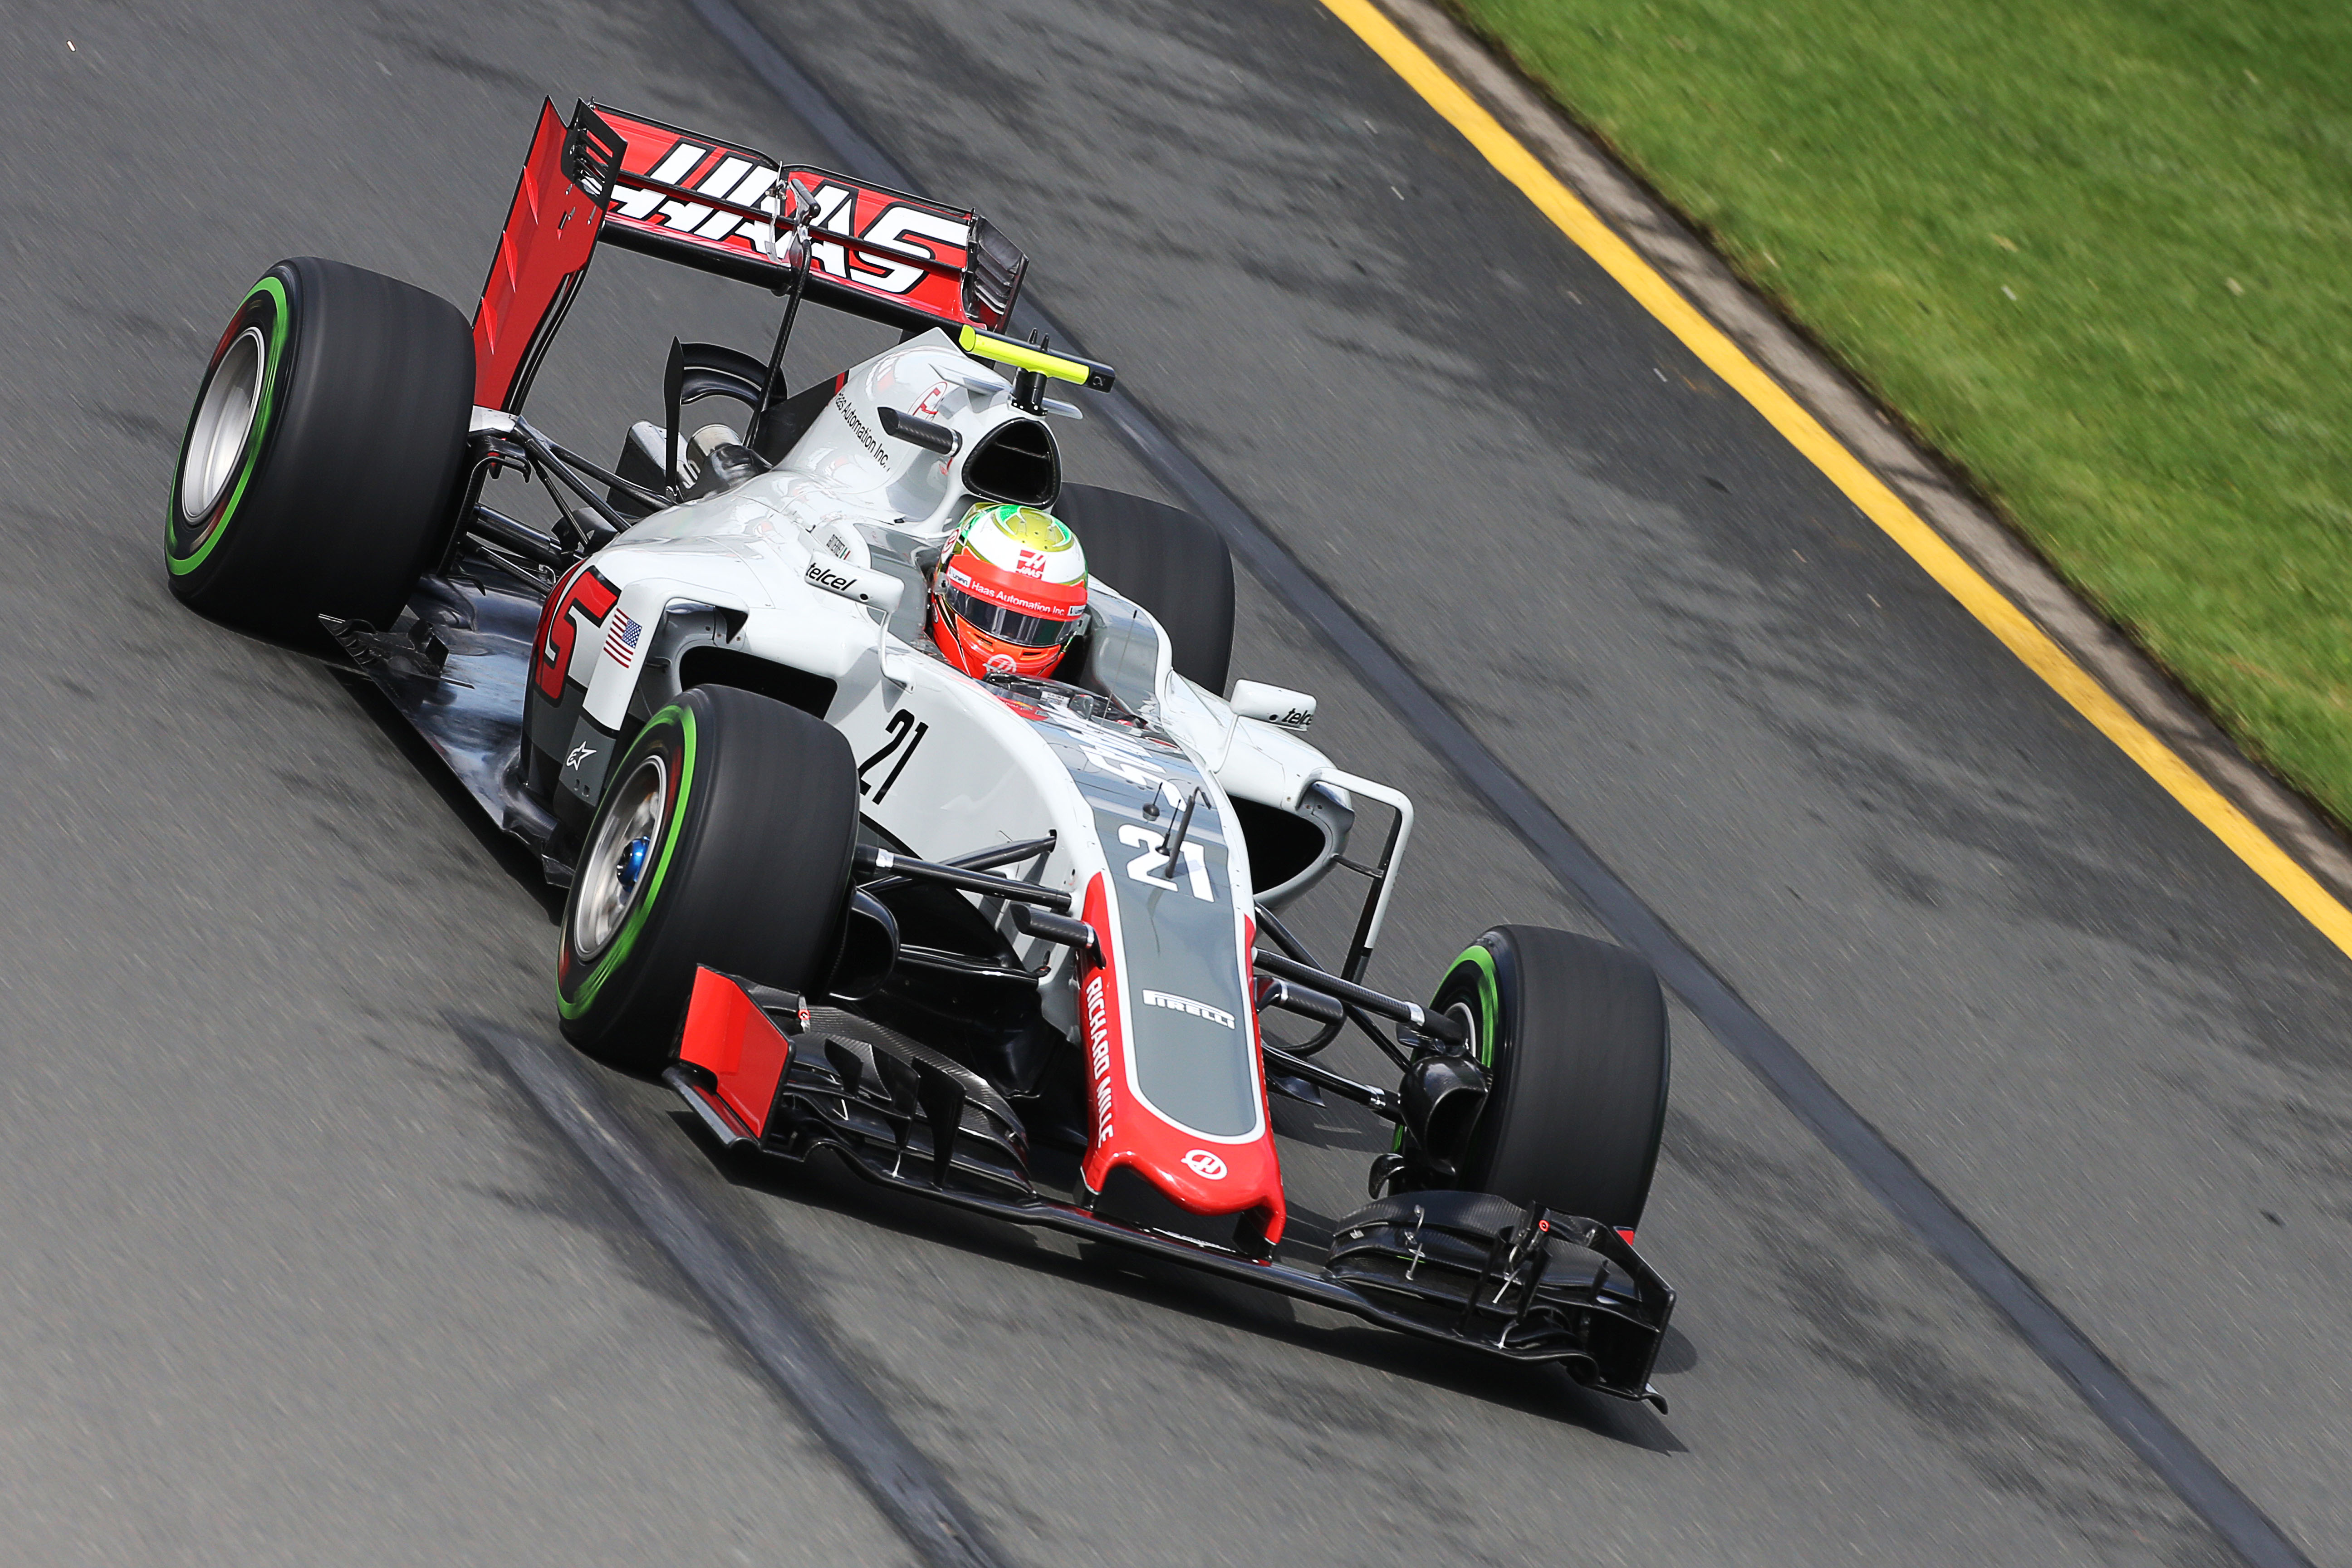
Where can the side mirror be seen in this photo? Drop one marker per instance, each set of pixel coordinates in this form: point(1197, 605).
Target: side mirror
point(865, 585)
point(1275, 704)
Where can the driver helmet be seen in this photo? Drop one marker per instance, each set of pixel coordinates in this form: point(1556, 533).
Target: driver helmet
point(1009, 593)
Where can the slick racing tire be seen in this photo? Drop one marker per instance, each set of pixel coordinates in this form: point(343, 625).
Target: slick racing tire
point(723, 839)
point(320, 466)
point(1169, 562)
point(1572, 1035)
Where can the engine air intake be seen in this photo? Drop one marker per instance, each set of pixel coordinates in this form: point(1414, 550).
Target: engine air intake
point(1016, 462)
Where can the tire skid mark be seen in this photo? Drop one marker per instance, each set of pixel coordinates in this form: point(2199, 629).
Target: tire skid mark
point(906, 1488)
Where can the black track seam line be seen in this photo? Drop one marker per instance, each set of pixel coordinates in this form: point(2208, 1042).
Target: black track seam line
point(910, 1494)
point(1889, 1175)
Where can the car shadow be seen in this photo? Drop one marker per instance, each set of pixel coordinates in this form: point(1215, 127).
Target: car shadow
point(1336, 1124)
point(1543, 1392)
point(511, 857)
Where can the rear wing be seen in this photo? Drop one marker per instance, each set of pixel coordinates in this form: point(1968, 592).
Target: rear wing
point(708, 204)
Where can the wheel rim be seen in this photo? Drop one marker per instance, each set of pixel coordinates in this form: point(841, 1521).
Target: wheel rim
point(613, 873)
point(224, 425)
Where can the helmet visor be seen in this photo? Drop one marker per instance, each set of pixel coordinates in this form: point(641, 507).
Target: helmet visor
point(1005, 625)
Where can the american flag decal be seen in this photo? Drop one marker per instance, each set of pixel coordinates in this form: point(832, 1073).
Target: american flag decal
point(621, 639)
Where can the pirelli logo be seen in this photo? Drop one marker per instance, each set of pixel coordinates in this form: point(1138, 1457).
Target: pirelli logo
point(1176, 1004)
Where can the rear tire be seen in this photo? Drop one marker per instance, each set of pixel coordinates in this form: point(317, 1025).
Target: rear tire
point(1572, 1034)
point(746, 812)
point(1169, 562)
point(320, 461)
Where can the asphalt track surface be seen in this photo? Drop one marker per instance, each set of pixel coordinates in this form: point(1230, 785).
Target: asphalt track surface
point(295, 1266)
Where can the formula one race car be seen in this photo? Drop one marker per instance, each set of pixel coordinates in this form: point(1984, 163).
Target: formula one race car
point(1003, 934)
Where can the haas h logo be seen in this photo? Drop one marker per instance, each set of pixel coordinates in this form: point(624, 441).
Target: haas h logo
point(1201, 1163)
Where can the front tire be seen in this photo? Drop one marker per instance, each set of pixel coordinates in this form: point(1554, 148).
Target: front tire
point(320, 461)
point(1572, 1035)
point(1169, 562)
point(723, 839)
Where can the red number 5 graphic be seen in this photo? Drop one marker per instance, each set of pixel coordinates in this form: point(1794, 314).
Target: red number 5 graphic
point(586, 590)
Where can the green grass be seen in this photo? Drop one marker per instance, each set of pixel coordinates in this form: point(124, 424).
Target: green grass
point(2098, 252)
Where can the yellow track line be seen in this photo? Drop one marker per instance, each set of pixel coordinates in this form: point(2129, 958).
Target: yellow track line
point(1864, 489)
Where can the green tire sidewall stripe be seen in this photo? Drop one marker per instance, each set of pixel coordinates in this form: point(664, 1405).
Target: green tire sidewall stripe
point(584, 997)
point(1490, 1008)
point(183, 564)
point(1482, 958)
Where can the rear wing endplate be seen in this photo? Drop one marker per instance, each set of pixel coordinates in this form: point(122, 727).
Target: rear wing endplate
point(707, 204)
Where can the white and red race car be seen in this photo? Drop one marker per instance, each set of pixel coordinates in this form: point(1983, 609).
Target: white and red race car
point(1010, 943)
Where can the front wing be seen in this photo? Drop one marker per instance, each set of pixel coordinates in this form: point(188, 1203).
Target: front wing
point(1467, 1269)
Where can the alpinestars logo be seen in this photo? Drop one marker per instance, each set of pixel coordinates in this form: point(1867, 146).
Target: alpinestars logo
point(1098, 1055)
point(1176, 1004)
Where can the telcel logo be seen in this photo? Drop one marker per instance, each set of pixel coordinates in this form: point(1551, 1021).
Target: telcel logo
point(831, 581)
point(1201, 1163)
